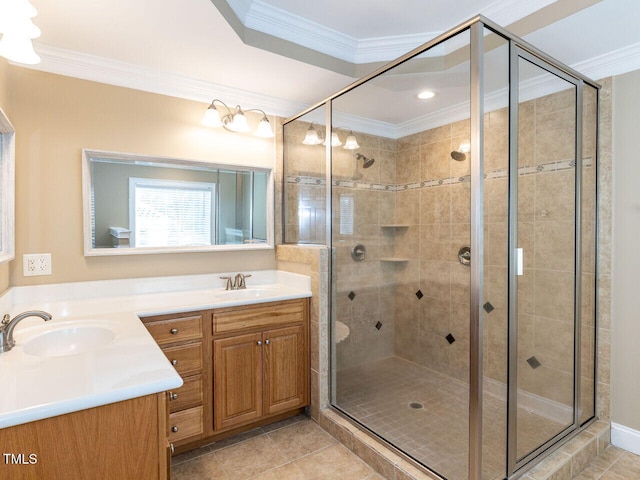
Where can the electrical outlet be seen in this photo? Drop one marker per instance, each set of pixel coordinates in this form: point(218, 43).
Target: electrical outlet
point(36, 264)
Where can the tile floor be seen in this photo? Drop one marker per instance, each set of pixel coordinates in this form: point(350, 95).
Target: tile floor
point(379, 395)
point(613, 464)
point(295, 449)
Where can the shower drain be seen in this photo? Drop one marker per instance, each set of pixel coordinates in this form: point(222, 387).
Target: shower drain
point(416, 405)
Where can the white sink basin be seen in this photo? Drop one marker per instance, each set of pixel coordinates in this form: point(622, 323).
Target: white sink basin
point(256, 292)
point(70, 340)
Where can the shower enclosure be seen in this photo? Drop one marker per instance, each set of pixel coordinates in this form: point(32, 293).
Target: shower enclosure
point(463, 237)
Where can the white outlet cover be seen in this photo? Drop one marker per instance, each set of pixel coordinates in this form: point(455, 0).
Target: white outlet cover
point(36, 264)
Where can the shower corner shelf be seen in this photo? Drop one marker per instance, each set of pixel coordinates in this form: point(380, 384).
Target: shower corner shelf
point(394, 259)
point(394, 225)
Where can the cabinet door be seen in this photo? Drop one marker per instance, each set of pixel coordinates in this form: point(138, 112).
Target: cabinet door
point(237, 380)
point(286, 369)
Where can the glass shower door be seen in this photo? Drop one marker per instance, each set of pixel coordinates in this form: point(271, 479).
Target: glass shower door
point(544, 182)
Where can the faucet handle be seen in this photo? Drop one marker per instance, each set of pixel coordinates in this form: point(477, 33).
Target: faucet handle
point(229, 285)
point(6, 319)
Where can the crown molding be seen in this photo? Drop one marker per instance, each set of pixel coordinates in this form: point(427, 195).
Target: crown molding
point(111, 72)
point(261, 16)
point(506, 12)
point(98, 69)
point(616, 62)
point(279, 23)
point(240, 8)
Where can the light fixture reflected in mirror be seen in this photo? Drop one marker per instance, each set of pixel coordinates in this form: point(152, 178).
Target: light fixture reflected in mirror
point(312, 137)
point(234, 119)
point(335, 140)
point(351, 143)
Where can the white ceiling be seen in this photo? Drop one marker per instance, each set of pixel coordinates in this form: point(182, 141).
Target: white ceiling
point(201, 49)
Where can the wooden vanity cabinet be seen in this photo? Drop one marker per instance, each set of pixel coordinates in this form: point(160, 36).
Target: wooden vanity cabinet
point(182, 339)
point(242, 367)
point(124, 440)
point(260, 362)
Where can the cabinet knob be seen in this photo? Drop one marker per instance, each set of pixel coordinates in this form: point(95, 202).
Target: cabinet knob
point(173, 396)
point(267, 342)
point(174, 429)
point(174, 331)
point(259, 342)
point(174, 362)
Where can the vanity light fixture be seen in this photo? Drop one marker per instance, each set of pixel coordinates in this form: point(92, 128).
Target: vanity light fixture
point(234, 120)
point(335, 140)
point(351, 143)
point(311, 137)
point(17, 31)
point(426, 94)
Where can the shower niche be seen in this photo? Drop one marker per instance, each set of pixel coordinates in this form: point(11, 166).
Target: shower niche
point(500, 163)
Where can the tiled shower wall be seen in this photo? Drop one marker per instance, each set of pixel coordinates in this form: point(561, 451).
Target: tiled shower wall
point(431, 222)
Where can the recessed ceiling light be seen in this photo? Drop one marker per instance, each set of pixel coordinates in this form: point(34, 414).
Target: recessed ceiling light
point(426, 94)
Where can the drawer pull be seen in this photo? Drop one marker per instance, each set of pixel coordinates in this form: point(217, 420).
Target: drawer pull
point(173, 396)
point(267, 342)
point(259, 342)
point(174, 429)
point(173, 450)
point(174, 362)
point(174, 331)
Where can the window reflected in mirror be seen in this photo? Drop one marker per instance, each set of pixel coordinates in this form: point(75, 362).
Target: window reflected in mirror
point(136, 204)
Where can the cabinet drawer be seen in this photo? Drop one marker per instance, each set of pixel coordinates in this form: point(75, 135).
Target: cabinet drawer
point(185, 424)
point(257, 316)
point(186, 359)
point(176, 329)
point(188, 395)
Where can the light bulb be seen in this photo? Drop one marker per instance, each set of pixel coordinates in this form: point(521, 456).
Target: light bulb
point(211, 118)
point(18, 49)
point(311, 137)
point(238, 122)
point(264, 129)
point(351, 143)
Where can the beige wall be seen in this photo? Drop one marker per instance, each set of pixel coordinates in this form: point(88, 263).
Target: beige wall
point(4, 268)
point(625, 359)
point(55, 118)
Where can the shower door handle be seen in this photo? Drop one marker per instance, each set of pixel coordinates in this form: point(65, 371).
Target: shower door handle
point(519, 262)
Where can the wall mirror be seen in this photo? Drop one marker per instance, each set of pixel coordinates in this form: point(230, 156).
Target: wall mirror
point(7, 189)
point(135, 204)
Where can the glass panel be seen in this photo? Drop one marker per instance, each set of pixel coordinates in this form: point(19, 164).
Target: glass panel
point(546, 233)
point(401, 314)
point(589, 207)
point(235, 203)
point(496, 229)
point(234, 216)
point(305, 189)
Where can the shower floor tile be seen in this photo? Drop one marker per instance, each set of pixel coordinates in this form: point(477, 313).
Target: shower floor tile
point(425, 414)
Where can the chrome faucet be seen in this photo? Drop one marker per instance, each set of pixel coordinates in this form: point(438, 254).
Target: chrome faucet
point(238, 283)
point(8, 324)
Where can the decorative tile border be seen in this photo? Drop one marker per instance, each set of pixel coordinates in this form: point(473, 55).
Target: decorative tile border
point(391, 187)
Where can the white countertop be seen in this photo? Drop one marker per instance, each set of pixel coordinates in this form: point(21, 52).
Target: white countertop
point(131, 365)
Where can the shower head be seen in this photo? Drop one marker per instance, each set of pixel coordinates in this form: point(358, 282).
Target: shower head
point(458, 156)
point(366, 162)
